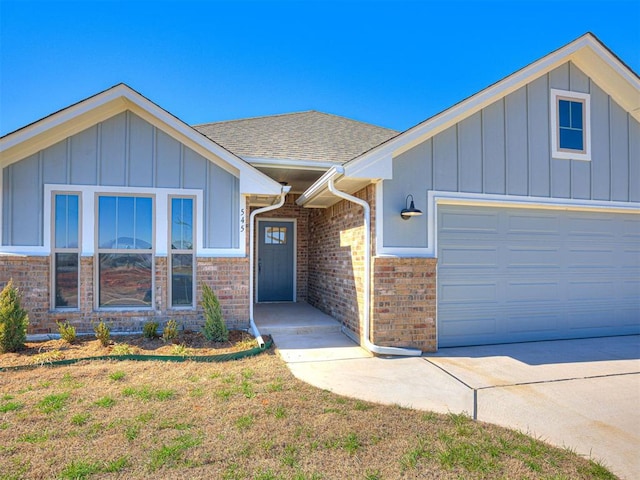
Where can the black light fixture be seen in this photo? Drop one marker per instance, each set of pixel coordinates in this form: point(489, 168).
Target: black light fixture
point(411, 210)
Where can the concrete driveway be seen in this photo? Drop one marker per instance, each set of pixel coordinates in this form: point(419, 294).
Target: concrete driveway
point(580, 394)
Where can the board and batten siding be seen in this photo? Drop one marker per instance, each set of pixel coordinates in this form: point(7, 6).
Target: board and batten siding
point(123, 151)
point(505, 149)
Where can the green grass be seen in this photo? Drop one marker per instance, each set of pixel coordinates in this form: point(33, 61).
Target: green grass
point(105, 402)
point(53, 403)
point(10, 407)
point(172, 454)
point(117, 375)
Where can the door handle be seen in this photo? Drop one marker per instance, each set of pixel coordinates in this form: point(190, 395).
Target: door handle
point(259, 265)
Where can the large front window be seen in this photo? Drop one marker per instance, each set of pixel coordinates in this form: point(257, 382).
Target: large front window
point(66, 252)
point(182, 254)
point(125, 251)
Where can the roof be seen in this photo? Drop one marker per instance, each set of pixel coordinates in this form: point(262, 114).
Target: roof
point(587, 52)
point(303, 136)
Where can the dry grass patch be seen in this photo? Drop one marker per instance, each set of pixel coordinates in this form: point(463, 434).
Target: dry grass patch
point(248, 419)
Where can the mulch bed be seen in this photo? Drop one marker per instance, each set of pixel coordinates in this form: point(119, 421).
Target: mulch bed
point(88, 346)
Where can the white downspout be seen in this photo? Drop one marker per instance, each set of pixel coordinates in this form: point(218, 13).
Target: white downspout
point(408, 352)
point(252, 324)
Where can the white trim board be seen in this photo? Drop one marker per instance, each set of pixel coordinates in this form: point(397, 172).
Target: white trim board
point(435, 198)
point(87, 216)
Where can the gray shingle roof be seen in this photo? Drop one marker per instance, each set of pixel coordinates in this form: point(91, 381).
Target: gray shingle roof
point(310, 136)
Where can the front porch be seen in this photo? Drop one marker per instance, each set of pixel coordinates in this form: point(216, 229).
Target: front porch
point(303, 333)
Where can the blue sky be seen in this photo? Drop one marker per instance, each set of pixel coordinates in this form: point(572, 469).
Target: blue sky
point(391, 63)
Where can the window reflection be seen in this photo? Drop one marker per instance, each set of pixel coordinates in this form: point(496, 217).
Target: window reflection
point(275, 235)
point(125, 280)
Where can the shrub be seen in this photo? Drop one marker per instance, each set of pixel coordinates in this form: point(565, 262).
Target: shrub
point(13, 320)
point(150, 330)
point(103, 333)
point(170, 331)
point(214, 328)
point(67, 332)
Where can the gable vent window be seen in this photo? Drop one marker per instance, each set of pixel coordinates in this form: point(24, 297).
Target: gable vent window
point(570, 120)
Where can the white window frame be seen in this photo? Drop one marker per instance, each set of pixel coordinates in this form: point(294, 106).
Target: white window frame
point(55, 250)
point(567, 154)
point(192, 252)
point(98, 250)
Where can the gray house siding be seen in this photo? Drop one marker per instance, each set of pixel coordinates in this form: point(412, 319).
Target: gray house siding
point(123, 151)
point(506, 149)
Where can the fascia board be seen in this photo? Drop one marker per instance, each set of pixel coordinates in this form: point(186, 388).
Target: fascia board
point(320, 185)
point(475, 103)
point(289, 164)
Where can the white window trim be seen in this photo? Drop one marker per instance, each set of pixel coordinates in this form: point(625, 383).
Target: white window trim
point(55, 250)
point(553, 117)
point(87, 234)
point(435, 198)
point(191, 252)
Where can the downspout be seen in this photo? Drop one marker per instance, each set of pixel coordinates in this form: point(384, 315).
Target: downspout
point(252, 324)
point(407, 352)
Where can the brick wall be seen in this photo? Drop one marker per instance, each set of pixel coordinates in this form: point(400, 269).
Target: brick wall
point(403, 307)
point(228, 277)
point(291, 210)
point(336, 260)
point(404, 302)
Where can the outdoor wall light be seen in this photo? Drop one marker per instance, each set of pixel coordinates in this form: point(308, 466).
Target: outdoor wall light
point(411, 210)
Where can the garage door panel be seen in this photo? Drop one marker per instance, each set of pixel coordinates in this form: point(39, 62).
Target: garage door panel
point(468, 292)
point(540, 322)
point(590, 226)
point(544, 274)
point(468, 222)
point(533, 256)
point(518, 291)
point(469, 256)
point(533, 224)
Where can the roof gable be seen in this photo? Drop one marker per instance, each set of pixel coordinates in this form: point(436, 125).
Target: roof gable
point(587, 53)
point(82, 115)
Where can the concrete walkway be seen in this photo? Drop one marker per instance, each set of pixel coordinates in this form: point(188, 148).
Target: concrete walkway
point(581, 394)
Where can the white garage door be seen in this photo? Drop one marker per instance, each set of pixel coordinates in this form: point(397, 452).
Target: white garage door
point(512, 274)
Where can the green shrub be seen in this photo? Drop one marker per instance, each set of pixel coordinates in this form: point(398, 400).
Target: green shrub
point(170, 331)
point(13, 320)
point(67, 332)
point(122, 349)
point(103, 333)
point(214, 328)
point(150, 330)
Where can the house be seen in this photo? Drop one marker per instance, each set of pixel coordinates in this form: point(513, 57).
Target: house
point(512, 216)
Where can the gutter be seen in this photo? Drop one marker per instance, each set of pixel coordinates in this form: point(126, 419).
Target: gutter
point(380, 350)
point(252, 324)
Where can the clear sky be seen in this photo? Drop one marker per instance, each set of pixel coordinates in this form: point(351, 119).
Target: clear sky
point(391, 63)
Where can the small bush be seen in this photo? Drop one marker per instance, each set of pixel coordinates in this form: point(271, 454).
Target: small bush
point(67, 332)
point(150, 330)
point(103, 333)
point(123, 349)
point(170, 332)
point(214, 328)
point(13, 320)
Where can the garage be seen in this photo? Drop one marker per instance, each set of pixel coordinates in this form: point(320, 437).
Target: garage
point(514, 274)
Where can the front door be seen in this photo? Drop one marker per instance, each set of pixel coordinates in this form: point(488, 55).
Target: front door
point(275, 261)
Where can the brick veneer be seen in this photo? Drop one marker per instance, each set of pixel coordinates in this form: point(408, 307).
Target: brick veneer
point(291, 210)
point(403, 307)
point(228, 277)
point(404, 302)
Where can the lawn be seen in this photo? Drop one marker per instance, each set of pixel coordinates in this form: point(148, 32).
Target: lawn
point(246, 419)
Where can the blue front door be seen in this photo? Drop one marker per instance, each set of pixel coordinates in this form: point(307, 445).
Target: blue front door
point(275, 261)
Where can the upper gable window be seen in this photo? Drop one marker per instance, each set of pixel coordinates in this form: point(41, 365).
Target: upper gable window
point(570, 120)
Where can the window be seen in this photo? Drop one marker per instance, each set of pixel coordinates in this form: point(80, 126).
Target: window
point(570, 135)
point(66, 252)
point(125, 251)
point(182, 254)
point(275, 235)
